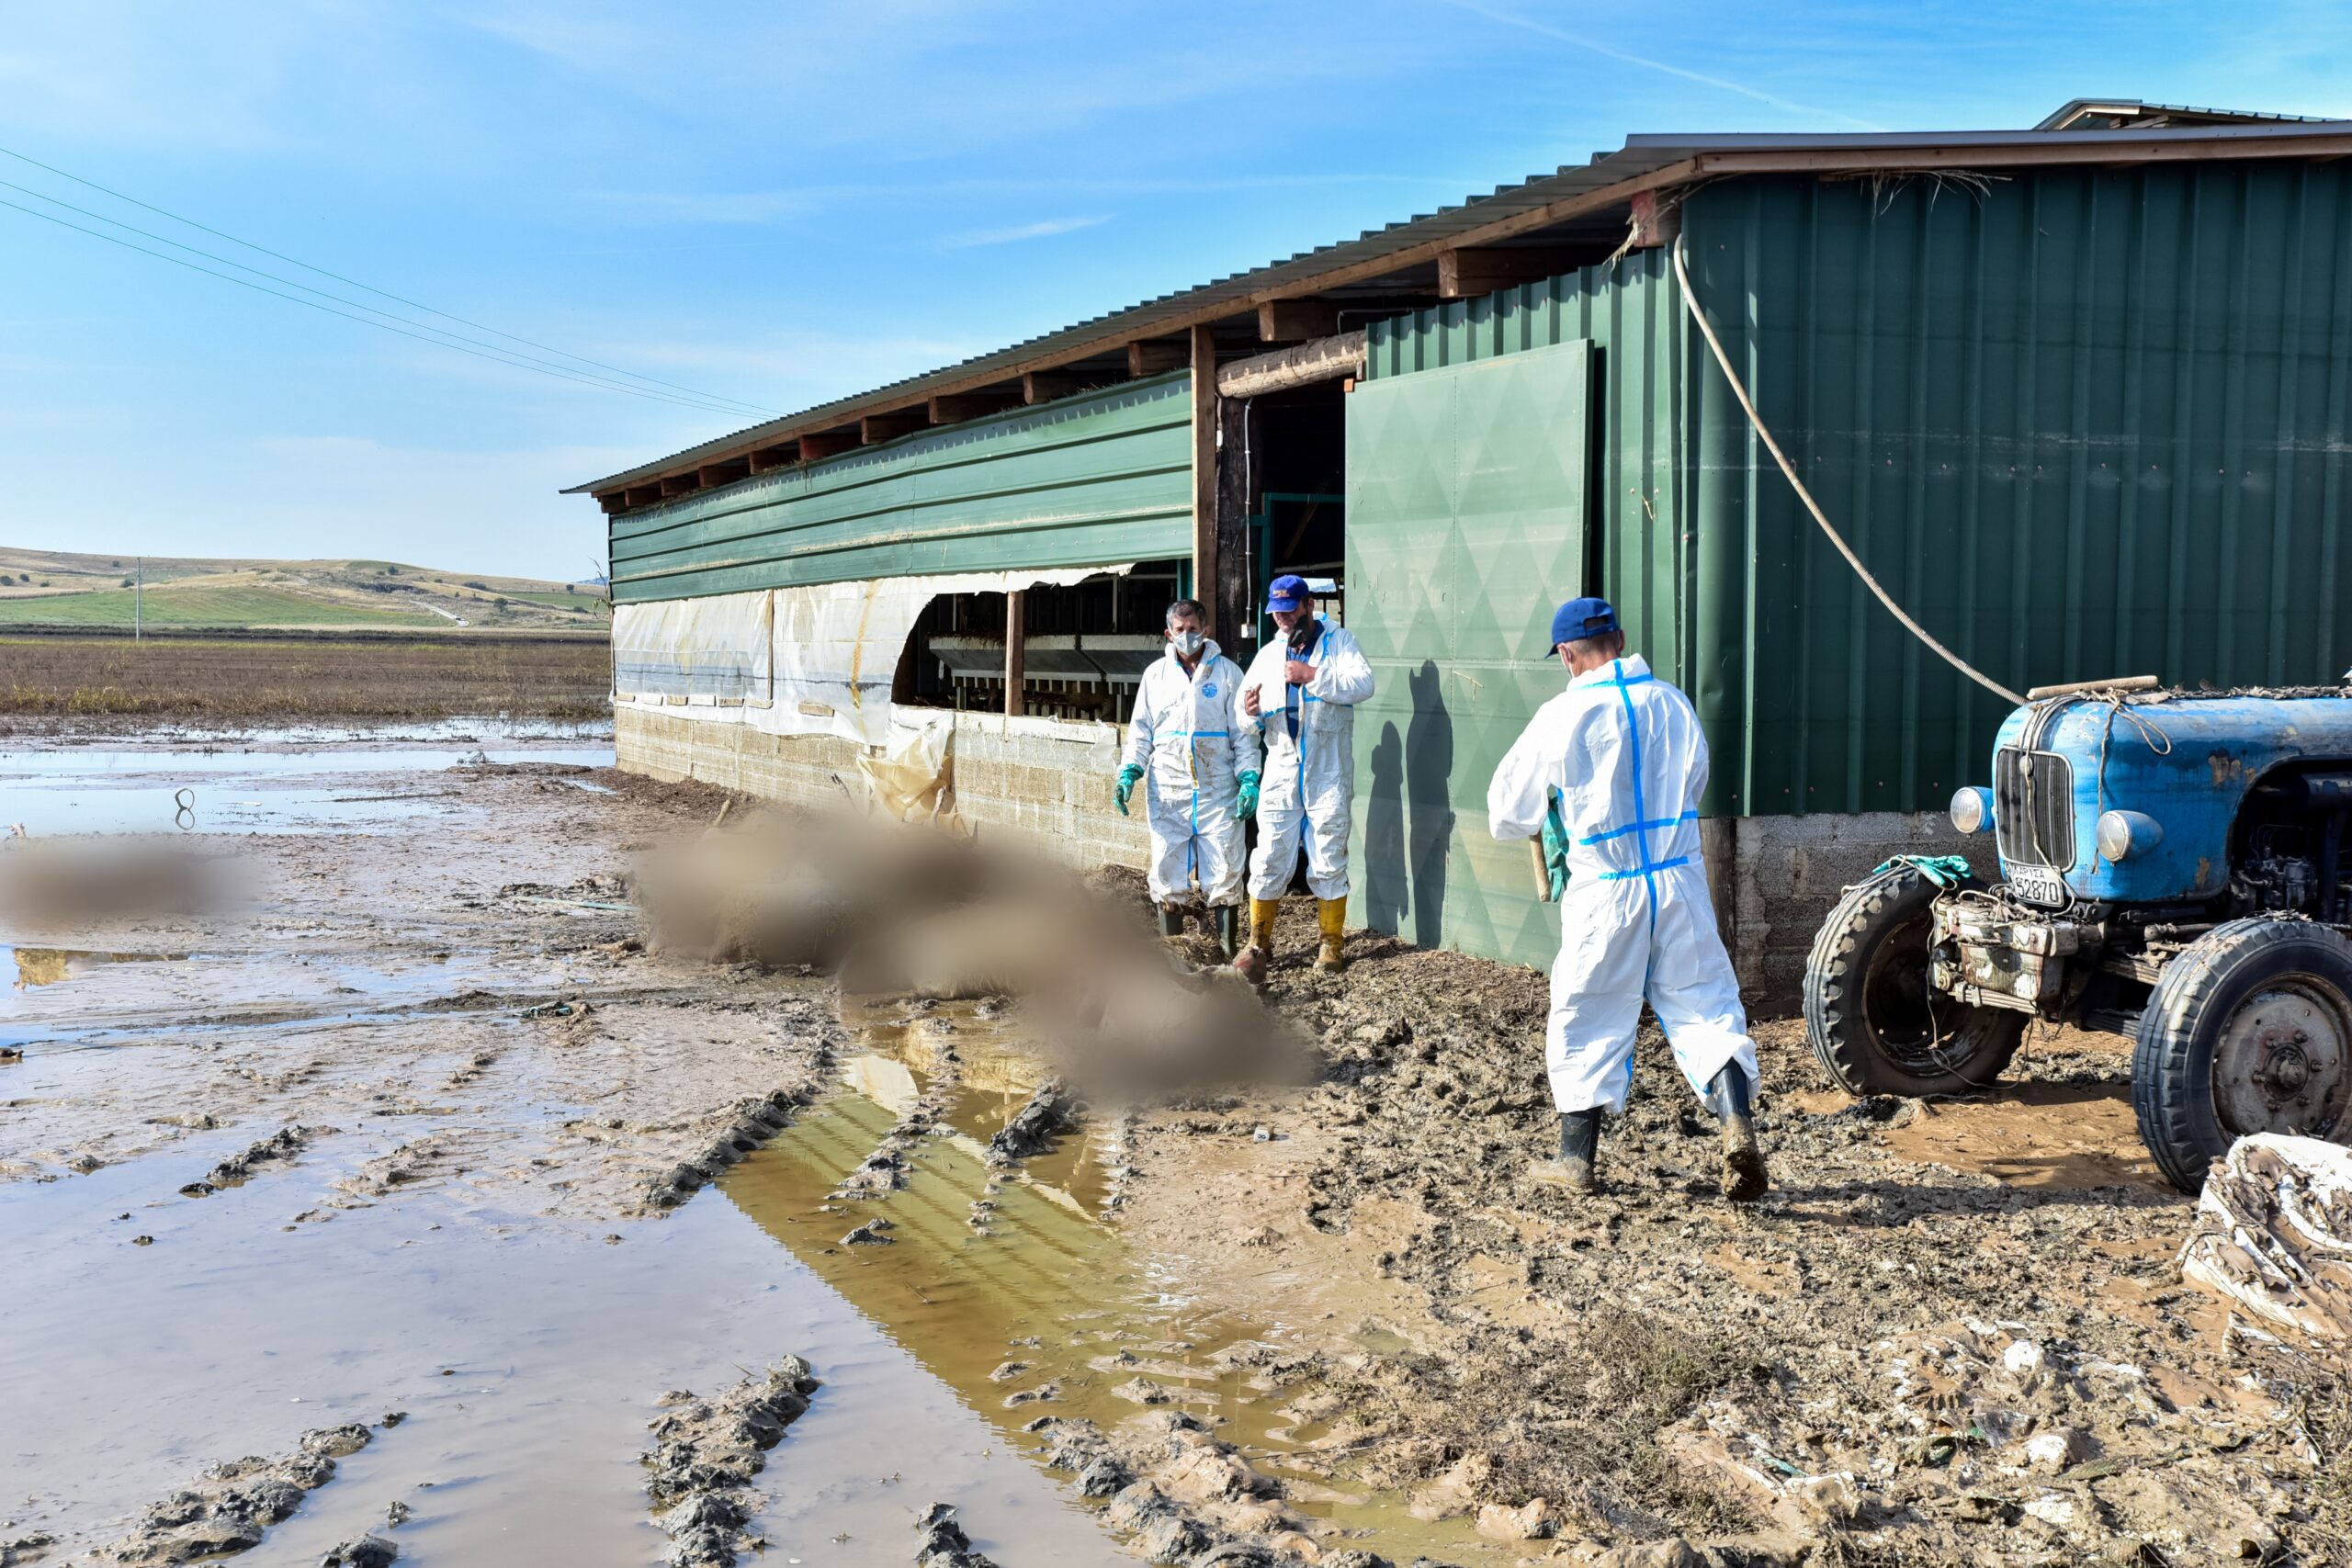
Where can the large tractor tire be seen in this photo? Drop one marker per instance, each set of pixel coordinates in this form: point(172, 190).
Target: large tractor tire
point(2248, 1031)
point(1870, 1013)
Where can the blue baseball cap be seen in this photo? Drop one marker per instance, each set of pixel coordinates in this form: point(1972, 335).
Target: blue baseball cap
point(1286, 593)
point(1581, 618)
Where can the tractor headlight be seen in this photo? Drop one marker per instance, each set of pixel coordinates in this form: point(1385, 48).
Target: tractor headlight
point(1971, 809)
point(2122, 834)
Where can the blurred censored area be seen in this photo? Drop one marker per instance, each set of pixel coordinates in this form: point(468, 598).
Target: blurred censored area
point(50, 884)
point(896, 909)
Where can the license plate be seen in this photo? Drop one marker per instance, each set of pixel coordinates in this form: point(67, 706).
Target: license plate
point(2038, 884)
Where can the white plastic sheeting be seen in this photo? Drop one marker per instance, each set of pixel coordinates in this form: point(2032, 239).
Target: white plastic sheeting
point(810, 660)
point(710, 652)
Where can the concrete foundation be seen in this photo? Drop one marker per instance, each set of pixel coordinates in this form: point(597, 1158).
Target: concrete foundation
point(1049, 780)
point(1774, 879)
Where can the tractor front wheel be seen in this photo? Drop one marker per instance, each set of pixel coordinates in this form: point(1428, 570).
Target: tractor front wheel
point(2248, 1031)
point(1871, 1015)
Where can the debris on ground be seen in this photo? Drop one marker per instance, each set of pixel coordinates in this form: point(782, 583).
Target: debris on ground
point(2273, 1234)
point(282, 1145)
point(705, 1454)
point(1051, 1108)
point(363, 1551)
point(231, 1508)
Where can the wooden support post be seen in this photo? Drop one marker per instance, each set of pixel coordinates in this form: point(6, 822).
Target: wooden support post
point(1471, 271)
point(1227, 597)
point(877, 428)
point(1155, 356)
point(1205, 457)
point(1016, 651)
point(1295, 321)
point(826, 444)
point(1045, 386)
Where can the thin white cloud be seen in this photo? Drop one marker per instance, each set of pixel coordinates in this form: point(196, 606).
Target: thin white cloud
point(1560, 35)
point(1040, 230)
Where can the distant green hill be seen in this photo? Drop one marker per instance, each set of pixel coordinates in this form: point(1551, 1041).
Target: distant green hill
point(52, 588)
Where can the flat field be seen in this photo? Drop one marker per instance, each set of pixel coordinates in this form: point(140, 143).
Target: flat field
point(201, 606)
point(285, 679)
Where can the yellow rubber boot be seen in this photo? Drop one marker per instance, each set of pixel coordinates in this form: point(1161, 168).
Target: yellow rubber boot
point(1331, 915)
point(1253, 959)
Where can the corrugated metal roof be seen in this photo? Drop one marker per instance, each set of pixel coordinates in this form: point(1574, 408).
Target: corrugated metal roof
point(1642, 157)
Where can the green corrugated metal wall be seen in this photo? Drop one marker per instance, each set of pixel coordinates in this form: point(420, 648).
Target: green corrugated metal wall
point(1466, 504)
point(2081, 422)
point(1103, 477)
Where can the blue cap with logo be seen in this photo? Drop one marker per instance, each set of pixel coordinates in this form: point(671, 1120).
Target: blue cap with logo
point(1581, 618)
point(1286, 593)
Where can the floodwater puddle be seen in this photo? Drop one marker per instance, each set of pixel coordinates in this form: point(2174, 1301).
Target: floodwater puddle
point(250, 788)
point(1039, 1309)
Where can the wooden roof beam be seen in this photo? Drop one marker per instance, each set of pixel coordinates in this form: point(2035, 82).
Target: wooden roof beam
point(1155, 356)
point(827, 444)
point(877, 428)
point(725, 472)
point(613, 500)
point(1470, 271)
point(1045, 386)
point(641, 495)
point(1297, 321)
point(767, 460)
point(682, 484)
point(953, 408)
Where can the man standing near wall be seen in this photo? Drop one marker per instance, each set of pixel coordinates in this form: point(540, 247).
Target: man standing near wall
point(1190, 733)
point(1301, 692)
point(1622, 752)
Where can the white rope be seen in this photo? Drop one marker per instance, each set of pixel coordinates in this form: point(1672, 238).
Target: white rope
point(1739, 390)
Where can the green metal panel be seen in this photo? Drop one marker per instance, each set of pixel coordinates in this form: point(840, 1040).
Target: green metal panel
point(1103, 477)
point(1466, 492)
point(2081, 422)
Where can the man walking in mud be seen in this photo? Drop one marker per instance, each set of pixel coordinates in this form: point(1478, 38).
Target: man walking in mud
point(1301, 693)
point(1608, 774)
point(1200, 747)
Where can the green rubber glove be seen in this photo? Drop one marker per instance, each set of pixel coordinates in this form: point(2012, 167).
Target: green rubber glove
point(1127, 785)
point(1245, 805)
point(1556, 849)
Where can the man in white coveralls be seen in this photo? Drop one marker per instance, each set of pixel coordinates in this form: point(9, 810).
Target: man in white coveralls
point(1301, 692)
point(1190, 732)
point(1622, 753)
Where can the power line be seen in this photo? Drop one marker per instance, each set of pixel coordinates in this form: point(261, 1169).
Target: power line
point(709, 400)
point(366, 321)
point(355, 283)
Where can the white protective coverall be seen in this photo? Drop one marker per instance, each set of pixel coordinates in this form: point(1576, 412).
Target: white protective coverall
point(1310, 781)
point(1622, 751)
point(1191, 738)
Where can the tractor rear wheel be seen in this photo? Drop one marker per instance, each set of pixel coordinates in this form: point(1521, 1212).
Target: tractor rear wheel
point(2248, 1031)
point(1871, 1016)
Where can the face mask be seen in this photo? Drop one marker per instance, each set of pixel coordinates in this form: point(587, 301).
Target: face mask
point(1189, 643)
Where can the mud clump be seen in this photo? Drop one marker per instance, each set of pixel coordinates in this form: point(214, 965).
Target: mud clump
point(363, 1551)
point(26, 1548)
point(705, 1454)
point(231, 1508)
point(726, 1135)
point(944, 1544)
point(1051, 1110)
point(280, 1145)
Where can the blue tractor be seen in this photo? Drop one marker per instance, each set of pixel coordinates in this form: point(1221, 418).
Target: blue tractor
point(2172, 869)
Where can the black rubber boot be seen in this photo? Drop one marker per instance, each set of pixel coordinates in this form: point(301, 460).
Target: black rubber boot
point(1579, 1152)
point(1745, 1179)
point(1228, 935)
point(1172, 921)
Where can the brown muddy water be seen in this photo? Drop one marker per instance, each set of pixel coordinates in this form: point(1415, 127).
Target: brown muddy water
point(454, 1241)
point(1036, 1307)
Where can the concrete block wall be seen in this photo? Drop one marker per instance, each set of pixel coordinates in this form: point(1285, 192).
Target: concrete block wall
point(1045, 780)
point(1775, 879)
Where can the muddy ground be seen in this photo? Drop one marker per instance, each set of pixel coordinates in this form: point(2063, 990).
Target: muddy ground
point(422, 1131)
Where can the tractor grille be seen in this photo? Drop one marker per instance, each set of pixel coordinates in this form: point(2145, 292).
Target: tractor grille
point(2033, 808)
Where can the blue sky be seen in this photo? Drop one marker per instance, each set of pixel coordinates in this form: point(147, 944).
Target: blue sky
point(781, 204)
